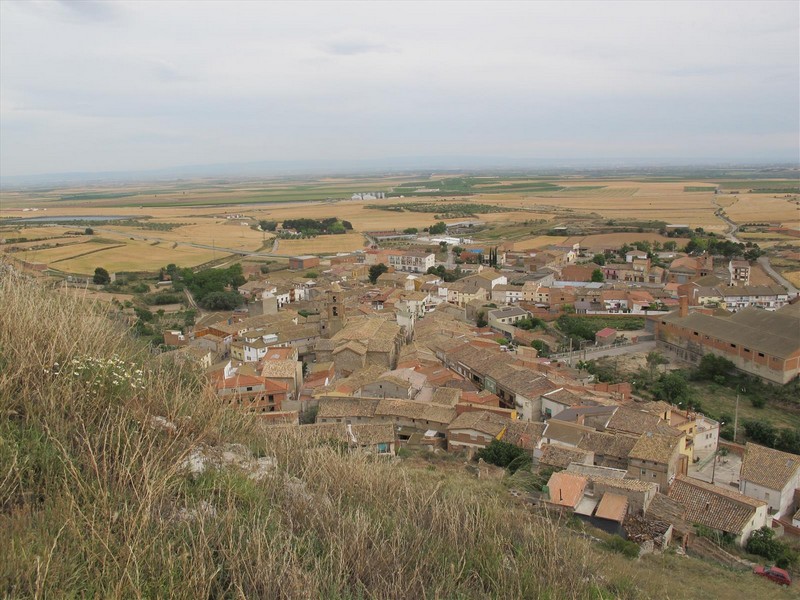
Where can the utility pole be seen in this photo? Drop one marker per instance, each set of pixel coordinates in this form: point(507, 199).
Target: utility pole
point(570, 351)
point(736, 418)
point(714, 468)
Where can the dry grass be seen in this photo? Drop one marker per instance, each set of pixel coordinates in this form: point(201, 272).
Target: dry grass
point(323, 244)
point(94, 501)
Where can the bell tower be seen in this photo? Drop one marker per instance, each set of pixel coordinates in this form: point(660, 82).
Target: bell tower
point(334, 308)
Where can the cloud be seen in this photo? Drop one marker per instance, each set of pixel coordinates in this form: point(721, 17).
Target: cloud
point(353, 43)
point(90, 10)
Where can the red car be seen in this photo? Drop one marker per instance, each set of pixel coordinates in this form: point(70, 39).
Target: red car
point(775, 574)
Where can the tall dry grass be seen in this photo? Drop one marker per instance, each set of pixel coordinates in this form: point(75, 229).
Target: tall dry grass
point(95, 501)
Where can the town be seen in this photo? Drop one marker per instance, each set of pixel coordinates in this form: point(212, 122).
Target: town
point(512, 358)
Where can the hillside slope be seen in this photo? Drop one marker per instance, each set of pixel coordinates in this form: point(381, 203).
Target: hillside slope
point(121, 476)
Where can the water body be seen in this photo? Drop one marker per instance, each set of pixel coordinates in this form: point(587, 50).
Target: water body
point(73, 219)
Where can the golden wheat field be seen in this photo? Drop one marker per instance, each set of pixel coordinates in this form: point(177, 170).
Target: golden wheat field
point(324, 244)
point(220, 215)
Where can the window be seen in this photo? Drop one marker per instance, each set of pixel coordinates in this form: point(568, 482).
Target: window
point(644, 472)
point(250, 388)
point(733, 345)
point(761, 354)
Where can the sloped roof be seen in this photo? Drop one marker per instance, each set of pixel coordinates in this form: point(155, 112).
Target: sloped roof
point(654, 447)
point(480, 420)
point(612, 507)
point(768, 467)
point(554, 455)
point(713, 506)
point(771, 332)
point(566, 489)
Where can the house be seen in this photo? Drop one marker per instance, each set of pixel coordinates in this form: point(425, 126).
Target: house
point(377, 438)
point(239, 386)
point(307, 261)
point(507, 315)
point(657, 458)
point(719, 508)
point(560, 457)
point(771, 476)
point(689, 268)
point(362, 341)
point(566, 489)
point(411, 261)
point(739, 271)
point(475, 429)
point(605, 337)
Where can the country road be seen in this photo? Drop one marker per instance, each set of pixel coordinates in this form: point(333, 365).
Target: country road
point(730, 235)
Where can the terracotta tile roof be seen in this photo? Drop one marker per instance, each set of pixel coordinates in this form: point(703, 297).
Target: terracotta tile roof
point(412, 409)
point(654, 447)
point(284, 369)
point(480, 420)
point(554, 455)
point(633, 420)
point(612, 507)
point(713, 506)
point(767, 467)
point(565, 432)
point(336, 408)
point(566, 489)
point(524, 434)
point(607, 444)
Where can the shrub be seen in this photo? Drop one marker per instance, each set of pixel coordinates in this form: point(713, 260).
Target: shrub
point(626, 548)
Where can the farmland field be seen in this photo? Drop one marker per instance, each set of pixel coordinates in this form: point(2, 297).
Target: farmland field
point(323, 244)
point(169, 218)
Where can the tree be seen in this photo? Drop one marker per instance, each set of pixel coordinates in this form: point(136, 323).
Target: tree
point(221, 300)
point(654, 359)
point(480, 319)
point(438, 228)
point(599, 259)
point(670, 246)
point(410, 230)
point(268, 225)
point(311, 274)
point(101, 276)
point(541, 347)
point(88, 231)
point(376, 271)
point(761, 432)
point(597, 276)
point(499, 453)
point(347, 225)
point(672, 387)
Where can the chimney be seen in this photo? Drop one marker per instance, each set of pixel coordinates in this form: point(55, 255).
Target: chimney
point(684, 300)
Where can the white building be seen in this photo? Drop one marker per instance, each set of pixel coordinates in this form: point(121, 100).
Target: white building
point(412, 261)
point(770, 475)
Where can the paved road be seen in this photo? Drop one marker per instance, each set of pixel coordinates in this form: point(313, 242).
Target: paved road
point(764, 262)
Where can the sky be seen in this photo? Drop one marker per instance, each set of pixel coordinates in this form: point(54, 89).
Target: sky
point(96, 86)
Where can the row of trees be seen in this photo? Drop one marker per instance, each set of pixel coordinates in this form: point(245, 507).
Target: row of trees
point(312, 227)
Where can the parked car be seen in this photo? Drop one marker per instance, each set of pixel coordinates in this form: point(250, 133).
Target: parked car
point(775, 574)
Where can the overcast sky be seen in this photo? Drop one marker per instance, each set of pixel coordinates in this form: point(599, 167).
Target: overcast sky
point(96, 86)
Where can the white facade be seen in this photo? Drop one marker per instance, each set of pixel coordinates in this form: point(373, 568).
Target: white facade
point(779, 501)
point(706, 436)
point(414, 262)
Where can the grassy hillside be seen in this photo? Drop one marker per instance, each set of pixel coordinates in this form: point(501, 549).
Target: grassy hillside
point(109, 489)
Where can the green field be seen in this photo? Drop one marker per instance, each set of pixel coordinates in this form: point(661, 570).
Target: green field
point(717, 400)
point(699, 188)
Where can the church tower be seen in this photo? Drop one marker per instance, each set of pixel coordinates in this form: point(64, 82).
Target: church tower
point(335, 313)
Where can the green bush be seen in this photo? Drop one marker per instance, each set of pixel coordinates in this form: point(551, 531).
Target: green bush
point(624, 547)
